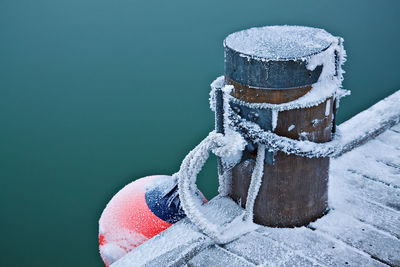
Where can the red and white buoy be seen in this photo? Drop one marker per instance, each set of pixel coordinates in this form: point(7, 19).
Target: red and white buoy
point(139, 211)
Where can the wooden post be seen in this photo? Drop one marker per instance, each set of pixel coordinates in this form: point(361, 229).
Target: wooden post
point(267, 65)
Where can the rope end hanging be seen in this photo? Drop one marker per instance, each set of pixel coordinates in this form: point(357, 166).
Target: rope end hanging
point(255, 182)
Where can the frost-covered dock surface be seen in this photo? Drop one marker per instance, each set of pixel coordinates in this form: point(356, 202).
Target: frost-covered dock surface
point(362, 227)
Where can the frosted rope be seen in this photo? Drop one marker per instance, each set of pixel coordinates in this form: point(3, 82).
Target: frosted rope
point(252, 131)
point(255, 183)
point(274, 142)
point(187, 175)
point(186, 181)
point(224, 180)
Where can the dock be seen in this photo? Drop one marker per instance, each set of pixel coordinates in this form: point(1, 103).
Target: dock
point(361, 228)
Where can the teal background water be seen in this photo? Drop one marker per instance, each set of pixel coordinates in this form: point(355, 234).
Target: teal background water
point(94, 94)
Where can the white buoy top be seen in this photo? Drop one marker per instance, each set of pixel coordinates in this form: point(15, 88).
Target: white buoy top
point(280, 42)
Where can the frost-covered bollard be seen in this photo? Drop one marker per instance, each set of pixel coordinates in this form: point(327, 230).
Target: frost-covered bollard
point(286, 80)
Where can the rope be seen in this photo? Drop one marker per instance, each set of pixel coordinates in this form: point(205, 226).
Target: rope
point(255, 182)
point(187, 175)
point(227, 148)
point(251, 131)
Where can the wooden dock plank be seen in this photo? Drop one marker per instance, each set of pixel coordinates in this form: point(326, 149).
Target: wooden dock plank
point(259, 249)
point(216, 256)
point(396, 128)
point(381, 149)
point(391, 137)
point(326, 250)
point(361, 229)
point(161, 247)
point(355, 184)
point(369, 166)
point(381, 217)
point(380, 245)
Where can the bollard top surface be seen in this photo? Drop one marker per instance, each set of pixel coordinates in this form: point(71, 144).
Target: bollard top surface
point(275, 57)
point(279, 42)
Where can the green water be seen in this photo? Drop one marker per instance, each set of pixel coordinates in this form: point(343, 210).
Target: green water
point(94, 94)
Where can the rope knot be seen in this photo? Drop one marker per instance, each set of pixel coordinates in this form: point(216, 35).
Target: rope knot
point(228, 147)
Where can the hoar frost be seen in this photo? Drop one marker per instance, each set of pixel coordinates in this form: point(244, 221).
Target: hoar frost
point(294, 43)
point(274, 118)
point(279, 42)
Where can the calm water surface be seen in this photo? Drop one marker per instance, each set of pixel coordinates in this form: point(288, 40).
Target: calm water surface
point(94, 94)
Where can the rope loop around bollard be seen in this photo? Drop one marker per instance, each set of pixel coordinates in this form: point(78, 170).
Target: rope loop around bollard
point(265, 140)
point(251, 131)
point(187, 176)
point(273, 142)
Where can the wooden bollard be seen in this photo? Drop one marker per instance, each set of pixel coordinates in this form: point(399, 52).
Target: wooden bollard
point(269, 65)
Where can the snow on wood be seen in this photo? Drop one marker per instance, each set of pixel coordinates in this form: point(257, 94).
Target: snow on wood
point(373, 213)
point(370, 123)
point(163, 243)
point(391, 138)
point(323, 248)
point(216, 256)
point(368, 167)
point(222, 210)
point(366, 189)
point(259, 249)
point(180, 255)
point(388, 154)
point(396, 128)
point(279, 42)
point(359, 228)
point(364, 217)
point(380, 245)
point(363, 224)
point(183, 239)
point(381, 165)
point(259, 41)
